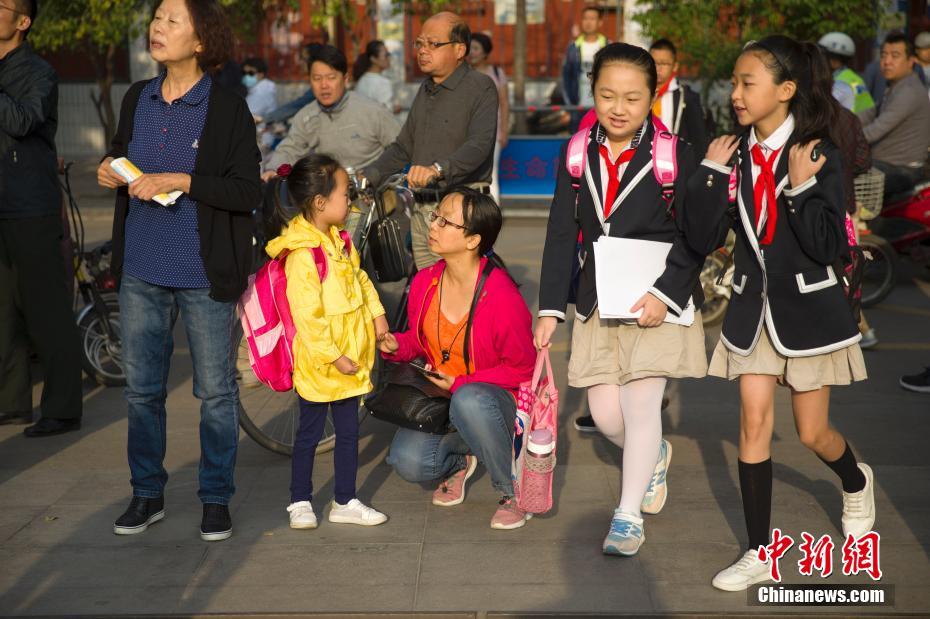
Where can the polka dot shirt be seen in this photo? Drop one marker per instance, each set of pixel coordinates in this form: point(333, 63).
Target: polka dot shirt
point(163, 243)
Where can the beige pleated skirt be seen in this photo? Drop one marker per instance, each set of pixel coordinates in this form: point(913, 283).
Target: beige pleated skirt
point(840, 367)
point(611, 352)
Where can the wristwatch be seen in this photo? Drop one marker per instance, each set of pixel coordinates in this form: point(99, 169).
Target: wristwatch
point(439, 169)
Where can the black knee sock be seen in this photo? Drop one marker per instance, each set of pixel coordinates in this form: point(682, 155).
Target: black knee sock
point(755, 484)
point(850, 474)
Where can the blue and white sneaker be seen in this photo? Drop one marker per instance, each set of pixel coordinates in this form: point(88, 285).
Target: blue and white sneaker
point(657, 492)
point(626, 535)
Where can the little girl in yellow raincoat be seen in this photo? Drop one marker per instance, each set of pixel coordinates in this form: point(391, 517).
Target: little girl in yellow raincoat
point(338, 321)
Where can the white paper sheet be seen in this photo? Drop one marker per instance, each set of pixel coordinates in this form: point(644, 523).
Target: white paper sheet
point(625, 270)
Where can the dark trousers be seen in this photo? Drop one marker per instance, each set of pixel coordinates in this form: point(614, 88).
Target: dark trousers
point(309, 433)
point(35, 309)
point(898, 179)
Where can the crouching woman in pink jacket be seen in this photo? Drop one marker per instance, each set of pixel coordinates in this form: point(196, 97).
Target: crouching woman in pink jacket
point(501, 355)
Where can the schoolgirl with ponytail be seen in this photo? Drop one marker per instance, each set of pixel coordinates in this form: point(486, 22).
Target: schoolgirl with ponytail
point(788, 321)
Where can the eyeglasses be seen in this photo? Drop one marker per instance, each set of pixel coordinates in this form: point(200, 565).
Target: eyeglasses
point(443, 222)
point(11, 10)
point(430, 45)
point(250, 72)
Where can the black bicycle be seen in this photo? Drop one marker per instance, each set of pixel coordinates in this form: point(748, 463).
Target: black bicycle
point(97, 301)
point(271, 417)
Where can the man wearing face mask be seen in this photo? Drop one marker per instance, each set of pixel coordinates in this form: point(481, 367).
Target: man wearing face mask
point(352, 129)
point(263, 93)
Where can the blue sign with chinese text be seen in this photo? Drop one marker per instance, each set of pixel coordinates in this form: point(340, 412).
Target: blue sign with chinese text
point(529, 165)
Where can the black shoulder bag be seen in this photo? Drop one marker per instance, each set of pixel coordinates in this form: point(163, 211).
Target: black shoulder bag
point(407, 399)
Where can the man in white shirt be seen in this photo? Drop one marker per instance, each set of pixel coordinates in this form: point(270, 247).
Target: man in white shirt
point(579, 60)
point(676, 105)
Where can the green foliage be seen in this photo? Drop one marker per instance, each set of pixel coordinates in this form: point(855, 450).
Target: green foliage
point(90, 24)
point(709, 34)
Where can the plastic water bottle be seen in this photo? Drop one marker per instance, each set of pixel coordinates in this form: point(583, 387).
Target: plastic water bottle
point(537, 472)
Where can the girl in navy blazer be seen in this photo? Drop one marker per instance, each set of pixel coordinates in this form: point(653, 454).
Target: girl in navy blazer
point(624, 365)
point(788, 321)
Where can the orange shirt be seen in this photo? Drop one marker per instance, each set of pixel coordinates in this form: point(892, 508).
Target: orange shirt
point(446, 333)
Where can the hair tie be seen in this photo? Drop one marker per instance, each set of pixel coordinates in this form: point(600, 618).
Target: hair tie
point(284, 170)
point(488, 253)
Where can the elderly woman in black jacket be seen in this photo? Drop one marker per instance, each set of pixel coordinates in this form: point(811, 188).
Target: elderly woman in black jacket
point(195, 141)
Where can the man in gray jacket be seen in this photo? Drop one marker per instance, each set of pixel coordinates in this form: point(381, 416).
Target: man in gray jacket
point(449, 136)
point(899, 132)
point(35, 306)
point(346, 126)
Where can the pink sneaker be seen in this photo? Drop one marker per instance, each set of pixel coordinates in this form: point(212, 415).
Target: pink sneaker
point(508, 515)
point(452, 490)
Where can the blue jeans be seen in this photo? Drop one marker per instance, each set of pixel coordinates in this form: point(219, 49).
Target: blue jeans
point(483, 416)
point(147, 317)
point(309, 433)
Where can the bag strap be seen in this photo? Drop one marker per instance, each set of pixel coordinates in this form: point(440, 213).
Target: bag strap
point(488, 267)
point(319, 255)
point(542, 359)
point(665, 161)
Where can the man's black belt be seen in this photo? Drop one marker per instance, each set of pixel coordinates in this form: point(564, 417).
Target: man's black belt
point(429, 196)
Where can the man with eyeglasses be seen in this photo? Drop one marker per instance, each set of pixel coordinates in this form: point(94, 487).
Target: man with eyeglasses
point(449, 135)
point(35, 306)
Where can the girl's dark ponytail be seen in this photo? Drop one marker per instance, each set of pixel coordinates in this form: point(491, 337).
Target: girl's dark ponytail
point(363, 62)
point(823, 109)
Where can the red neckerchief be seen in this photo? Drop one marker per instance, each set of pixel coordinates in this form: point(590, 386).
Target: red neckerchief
point(613, 174)
point(664, 87)
point(765, 186)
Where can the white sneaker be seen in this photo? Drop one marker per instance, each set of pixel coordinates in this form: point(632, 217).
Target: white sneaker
point(356, 512)
point(657, 492)
point(859, 507)
point(743, 574)
point(302, 516)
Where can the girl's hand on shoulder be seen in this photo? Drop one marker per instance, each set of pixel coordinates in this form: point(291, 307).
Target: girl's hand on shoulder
point(722, 149)
point(346, 366)
point(545, 327)
point(654, 311)
point(443, 383)
point(800, 166)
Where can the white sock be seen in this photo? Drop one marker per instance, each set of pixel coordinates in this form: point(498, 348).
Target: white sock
point(641, 403)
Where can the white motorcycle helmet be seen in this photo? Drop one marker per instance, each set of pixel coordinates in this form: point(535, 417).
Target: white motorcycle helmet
point(838, 43)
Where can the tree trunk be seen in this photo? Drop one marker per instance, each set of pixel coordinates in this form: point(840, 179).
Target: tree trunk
point(103, 100)
point(519, 67)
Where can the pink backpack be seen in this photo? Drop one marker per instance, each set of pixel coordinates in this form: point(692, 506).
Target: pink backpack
point(664, 157)
point(267, 325)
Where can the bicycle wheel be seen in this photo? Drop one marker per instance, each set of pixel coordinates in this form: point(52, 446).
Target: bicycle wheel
point(102, 354)
point(880, 273)
point(271, 417)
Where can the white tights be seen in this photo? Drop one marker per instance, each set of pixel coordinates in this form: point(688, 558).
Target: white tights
point(630, 416)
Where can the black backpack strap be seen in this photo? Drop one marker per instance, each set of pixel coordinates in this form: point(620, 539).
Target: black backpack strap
point(488, 267)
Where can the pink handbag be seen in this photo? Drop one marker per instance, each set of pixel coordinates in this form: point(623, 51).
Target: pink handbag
point(534, 441)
